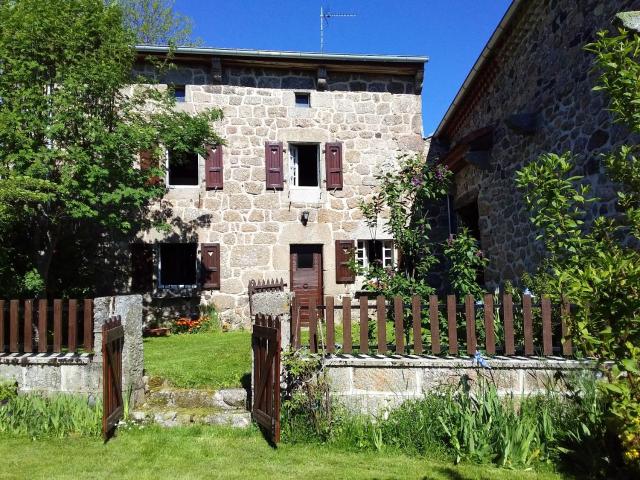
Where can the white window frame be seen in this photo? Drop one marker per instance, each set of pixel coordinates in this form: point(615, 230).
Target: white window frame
point(166, 180)
point(162, 286)
point(303, 194)
point(387, 254)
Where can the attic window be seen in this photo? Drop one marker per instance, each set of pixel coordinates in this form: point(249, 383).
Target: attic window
point(180, 93)
point(303, 100)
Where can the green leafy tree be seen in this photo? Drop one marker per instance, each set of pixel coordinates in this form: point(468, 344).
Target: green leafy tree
point(70, 133)
point(155, 22)
point(466, 261)
point(596, 265)
point(401, 203)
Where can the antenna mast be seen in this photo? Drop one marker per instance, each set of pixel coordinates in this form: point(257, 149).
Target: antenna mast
point(324, 18)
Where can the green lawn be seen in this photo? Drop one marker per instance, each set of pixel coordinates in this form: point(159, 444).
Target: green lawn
point(202, 360)
point(216, 452)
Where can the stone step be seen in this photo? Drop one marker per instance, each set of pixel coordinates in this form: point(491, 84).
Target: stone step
point(226, 399)
point(177, 418)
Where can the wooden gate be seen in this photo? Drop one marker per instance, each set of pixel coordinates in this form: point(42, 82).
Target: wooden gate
point(112, 343)
point(265, 342)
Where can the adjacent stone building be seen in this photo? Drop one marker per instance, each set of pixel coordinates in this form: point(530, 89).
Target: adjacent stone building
point(305, 136)
point(529, 92)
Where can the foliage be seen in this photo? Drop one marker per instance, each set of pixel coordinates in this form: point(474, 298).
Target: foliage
point(400, 202)
point(211, 359)
point(594, 264)
point(55, 416)
point(223, 452)
point(8, 391)
point(472, 425)
point(155, 22)
point(70, 132)
point(466, 260)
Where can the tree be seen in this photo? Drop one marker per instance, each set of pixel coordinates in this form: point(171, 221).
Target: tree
point(69, 135)
point(596, 265)
point(155, 22)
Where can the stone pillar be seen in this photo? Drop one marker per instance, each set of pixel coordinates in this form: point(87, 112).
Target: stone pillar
point(129, 307)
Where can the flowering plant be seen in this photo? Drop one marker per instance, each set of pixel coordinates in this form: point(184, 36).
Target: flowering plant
point(466, 262)
point(187, 325)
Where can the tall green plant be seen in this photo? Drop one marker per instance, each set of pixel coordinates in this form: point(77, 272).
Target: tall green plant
point(594, 265)
point(400, 203)
point(466, 261)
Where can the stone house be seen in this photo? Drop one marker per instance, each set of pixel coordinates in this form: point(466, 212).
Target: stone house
point(529, 92)
point(305, 135)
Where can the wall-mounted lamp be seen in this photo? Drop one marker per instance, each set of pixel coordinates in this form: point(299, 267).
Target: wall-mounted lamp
point(305, 217)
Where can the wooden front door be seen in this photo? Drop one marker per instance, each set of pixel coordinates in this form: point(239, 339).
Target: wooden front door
point(306, 277)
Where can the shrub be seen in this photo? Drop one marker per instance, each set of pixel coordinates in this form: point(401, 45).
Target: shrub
point(8, 391)
point(56, 416)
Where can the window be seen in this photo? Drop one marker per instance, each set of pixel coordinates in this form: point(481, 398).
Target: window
point(303, 100)
point(177, 265)
point(180, 93)
point(305, 165)
point(305, 260)
point(182, 169)
point(370, 252)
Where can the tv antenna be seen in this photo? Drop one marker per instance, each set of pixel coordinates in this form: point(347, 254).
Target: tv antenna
point(324, 19)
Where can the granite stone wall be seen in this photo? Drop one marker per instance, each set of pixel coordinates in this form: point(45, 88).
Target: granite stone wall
point(82, 373)
point(376, 117)
point(543, 70)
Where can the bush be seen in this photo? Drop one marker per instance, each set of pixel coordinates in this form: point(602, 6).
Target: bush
point(56, 416)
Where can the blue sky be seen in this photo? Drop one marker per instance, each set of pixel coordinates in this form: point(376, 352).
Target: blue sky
point(450, 32)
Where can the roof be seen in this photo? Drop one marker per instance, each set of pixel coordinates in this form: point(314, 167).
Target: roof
point(402, 64)
point(494, 44)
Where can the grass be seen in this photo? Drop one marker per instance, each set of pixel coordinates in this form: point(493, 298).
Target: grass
point(217, 452)
point(210, 360)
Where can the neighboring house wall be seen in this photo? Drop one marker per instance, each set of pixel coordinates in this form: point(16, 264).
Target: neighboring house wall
point(375, 117)
point(538, 67)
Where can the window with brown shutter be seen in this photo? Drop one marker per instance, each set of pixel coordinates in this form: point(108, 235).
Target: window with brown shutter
point(333, 163)
point(273, 165)
point(345, 250)
point(210, 262)
point(147, 162)
point(141, 267)
point(214, 175)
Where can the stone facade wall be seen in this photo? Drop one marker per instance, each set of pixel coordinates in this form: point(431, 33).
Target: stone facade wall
point(543, 69)
point(376, 117)
point(82, 373)
point(375, 384)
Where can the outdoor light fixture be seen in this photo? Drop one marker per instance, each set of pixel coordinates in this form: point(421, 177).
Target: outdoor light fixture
point(305, 217)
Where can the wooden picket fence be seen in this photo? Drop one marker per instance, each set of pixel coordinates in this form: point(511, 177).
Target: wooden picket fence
point(525, 329)
point(43, 326)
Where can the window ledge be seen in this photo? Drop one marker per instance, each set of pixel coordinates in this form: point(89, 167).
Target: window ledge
point(176, 292)
point(305, 194)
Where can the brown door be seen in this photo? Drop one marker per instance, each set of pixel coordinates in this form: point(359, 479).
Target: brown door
point(306, 277)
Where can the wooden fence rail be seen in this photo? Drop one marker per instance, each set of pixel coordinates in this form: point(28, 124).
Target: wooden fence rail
point(437, 327)
point(43, 326)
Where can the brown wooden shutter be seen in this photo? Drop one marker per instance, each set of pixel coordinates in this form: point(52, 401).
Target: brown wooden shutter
point(345, 250)
point(333, 163)
point(147, 161)
point(273, 165)
point(213, 165)
point(210, 261)
point(141, 267)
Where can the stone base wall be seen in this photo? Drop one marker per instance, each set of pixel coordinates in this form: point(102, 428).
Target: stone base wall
point(82, 373)
point(373, 384)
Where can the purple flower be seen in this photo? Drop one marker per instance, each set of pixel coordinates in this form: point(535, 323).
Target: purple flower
point(416, 182)
point(479, 254)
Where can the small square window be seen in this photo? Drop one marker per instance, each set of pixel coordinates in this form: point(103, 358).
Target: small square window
point(177, 266)
point(303, 100)
point(180, 93)
point(182, 169)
